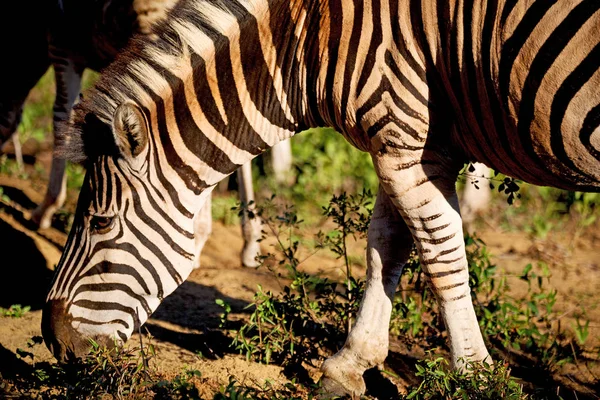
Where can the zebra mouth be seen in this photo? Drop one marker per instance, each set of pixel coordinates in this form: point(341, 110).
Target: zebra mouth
point(65, 342)
point(56, 330)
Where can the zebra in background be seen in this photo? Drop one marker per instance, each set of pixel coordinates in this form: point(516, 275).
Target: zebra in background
point(476, 195)
point(28, 60)
point(423, 87)
point(103, 27)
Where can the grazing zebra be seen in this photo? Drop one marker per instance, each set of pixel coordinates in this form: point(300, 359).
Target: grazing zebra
point(422, 86)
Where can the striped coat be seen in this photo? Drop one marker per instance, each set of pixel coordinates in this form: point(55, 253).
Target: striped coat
point(422, 86)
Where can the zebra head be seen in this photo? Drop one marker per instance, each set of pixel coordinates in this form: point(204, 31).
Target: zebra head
point(131, 243)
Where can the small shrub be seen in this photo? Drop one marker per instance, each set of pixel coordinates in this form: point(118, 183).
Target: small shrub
point(311, 314)
point(118, 372)
point(179, 387)
point(480, 381)
point(14, 311)
point(237, 391)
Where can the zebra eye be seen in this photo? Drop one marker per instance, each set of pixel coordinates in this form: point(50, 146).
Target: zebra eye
point(101, 224)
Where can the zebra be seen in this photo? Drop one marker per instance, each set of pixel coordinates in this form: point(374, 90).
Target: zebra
point(103, 27)
point(422, 86)
point(51, 43)
point(28, 60)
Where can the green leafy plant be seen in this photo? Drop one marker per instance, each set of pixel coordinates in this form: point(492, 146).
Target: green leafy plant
point(10, 167)
point(284, 327)
point(120, 372)
point(226, 311)
point(479, 381)
point(180, 387)
point(351, 215)
point(14, 311)
point(3, 197)
point(236, 391)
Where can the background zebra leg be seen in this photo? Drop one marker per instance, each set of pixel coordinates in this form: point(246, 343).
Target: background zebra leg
point(10, 117)
point(389, 245)
point(251, 227)
point(281, 161)
point(28, 55)
point(68, 84)
point(202, 228)
point(426, 197)
point(18, 152)
point(475, 200)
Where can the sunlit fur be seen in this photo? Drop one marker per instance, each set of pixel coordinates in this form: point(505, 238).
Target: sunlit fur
point(423, 86)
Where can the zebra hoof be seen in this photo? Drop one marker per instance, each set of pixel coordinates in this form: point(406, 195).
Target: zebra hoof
point(249, 254)
point(337, 382)
point(41, 218)
point(331, 389)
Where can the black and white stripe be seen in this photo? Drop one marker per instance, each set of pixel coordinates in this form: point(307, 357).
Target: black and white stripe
point(421, 86)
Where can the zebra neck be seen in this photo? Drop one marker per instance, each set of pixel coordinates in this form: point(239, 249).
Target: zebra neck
point(230, 86)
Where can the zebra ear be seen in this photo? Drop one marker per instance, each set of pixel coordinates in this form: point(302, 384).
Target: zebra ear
point(130, 130)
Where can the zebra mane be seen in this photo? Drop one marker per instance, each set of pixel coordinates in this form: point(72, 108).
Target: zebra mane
point(141, 71)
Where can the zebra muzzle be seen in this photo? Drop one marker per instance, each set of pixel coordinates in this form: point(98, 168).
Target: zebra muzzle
point(61, 338)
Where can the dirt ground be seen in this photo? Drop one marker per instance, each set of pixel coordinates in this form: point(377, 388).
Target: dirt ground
point(185, 325)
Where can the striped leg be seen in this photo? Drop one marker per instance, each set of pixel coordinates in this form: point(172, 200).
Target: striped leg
point(425, 195)
point(388, 248)
point(68, 84)
point(251, 228)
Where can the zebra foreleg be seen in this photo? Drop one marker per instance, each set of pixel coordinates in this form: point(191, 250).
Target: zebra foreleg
point(425, 195)
point(389, 245)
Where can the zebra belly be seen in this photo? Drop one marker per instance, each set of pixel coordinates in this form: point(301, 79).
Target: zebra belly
point(559, 150)
point(532, 101)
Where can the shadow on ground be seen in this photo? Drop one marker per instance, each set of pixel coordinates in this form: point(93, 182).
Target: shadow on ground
point(25, 277)
point(11, 365)
point(192, 307)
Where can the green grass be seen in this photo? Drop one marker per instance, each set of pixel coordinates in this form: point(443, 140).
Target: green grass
point(36, 121)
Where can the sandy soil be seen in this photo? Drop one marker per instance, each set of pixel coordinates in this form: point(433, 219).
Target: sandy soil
point(186, 324)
